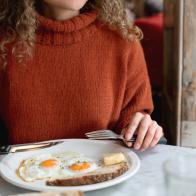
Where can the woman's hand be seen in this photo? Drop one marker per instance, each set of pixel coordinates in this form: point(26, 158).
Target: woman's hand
point(148, 132)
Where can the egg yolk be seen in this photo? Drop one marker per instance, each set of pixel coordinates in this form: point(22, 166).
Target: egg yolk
point(49, 163)
point(80, 166)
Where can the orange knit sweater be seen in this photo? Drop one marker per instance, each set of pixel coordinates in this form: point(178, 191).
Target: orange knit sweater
point(82, 77)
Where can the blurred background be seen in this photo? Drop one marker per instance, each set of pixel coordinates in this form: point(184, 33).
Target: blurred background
point(169, 28)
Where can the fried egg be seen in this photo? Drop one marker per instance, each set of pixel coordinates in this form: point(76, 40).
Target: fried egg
point(79, 165)
point(58, 165)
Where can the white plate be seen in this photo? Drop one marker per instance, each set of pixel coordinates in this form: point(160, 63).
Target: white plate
point(91, 148)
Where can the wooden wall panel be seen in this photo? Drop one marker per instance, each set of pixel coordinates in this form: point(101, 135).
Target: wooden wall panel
point(189, 62)
point(172, 70)
point(188, 132)
point(180, 72)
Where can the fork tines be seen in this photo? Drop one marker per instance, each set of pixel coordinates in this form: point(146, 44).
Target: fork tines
point(105, 134)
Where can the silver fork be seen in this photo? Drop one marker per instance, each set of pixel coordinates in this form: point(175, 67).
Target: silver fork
point(107, 135)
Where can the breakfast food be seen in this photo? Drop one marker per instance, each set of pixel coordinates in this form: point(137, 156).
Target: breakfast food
point(113, 158)
point(100, 175)
point(59, 165)
point(72, 169)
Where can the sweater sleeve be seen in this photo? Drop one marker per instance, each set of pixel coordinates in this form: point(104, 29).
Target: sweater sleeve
point(138, 96)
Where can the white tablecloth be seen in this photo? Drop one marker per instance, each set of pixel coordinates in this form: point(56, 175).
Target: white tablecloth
point(151, 172)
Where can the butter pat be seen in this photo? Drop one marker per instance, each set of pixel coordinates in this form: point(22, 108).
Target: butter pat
point(113, 158)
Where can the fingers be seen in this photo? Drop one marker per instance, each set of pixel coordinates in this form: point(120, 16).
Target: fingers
point(135, 121)
point(157, 136)
point(148, 132)
point(149, 135)
point(129, 144)
point(142, 131)
point(131, 129)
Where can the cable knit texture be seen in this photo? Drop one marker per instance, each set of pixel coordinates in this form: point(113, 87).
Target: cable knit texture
point(82, 77)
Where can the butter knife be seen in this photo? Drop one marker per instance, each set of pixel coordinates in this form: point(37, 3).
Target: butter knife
point(27, 147)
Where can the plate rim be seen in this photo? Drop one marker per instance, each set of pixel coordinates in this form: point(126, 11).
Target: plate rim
point(84, 188)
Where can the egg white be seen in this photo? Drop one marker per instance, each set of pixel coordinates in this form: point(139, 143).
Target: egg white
point(31, 169)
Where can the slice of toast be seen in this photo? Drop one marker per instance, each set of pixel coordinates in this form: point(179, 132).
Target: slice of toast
point(102, 174)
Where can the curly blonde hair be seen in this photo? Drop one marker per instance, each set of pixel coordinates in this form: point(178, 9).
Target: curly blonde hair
point(18, 21)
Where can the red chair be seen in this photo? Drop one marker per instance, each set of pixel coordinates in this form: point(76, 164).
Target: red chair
point(152, 43)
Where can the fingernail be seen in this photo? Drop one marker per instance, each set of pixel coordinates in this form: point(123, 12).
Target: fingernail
point(136, 146)
point(129, 144)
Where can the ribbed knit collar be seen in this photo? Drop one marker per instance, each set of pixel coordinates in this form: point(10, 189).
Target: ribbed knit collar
point(51, 32)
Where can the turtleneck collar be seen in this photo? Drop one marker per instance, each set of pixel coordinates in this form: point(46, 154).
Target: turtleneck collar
point(52, 32)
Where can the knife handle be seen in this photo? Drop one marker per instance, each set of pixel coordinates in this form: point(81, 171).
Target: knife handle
point(4, 149)
point(25, 147)
point(22, 148)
